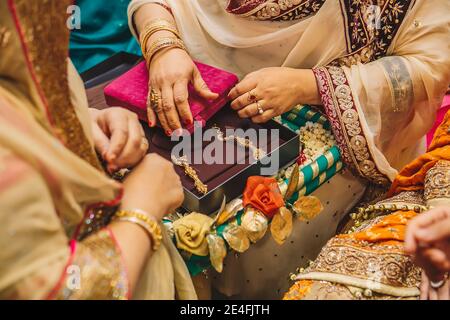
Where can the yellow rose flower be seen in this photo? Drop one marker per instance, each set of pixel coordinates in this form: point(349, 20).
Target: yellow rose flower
point(190, 233)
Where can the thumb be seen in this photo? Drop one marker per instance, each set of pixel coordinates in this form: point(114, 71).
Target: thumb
point(201, 87)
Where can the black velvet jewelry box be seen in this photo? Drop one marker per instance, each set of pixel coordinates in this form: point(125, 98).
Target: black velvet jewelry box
point(223, 179)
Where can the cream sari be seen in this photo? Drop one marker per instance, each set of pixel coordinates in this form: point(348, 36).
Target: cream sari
point(55, 199)
point(381, 71)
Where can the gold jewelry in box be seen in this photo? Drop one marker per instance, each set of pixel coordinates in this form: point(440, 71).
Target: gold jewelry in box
point(190, 172)
point(258, 153)
point(153, 27)
point(163, 43)
point(145, 221)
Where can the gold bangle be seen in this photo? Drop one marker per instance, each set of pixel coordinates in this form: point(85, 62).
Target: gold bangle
point(145, 221)
point(163, 43)
point(153, 27)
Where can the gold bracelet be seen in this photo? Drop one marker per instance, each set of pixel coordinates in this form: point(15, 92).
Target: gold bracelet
point(163, 43)
point(145, 221)
point(153, 27)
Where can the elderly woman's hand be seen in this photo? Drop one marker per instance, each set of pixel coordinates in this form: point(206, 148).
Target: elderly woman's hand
point(270, 92)
point(171, 71)
point(118, 137)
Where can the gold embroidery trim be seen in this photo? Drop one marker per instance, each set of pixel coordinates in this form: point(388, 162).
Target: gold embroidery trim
point(387, 265)
point(343, 115)
point(97, 271)
point(283, 10)
point(437, 181)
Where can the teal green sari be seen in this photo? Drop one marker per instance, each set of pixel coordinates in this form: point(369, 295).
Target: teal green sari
point(104, 32)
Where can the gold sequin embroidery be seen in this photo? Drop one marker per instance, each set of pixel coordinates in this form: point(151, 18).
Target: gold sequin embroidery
point(46, 38)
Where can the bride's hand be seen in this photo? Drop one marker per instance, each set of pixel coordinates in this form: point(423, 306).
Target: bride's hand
point(270, 92)
point(118, 137)
point(171, 71)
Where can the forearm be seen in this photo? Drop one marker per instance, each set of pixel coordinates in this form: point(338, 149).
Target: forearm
point(135, 247)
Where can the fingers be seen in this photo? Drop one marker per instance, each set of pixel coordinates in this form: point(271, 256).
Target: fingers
point(434, 232)
point(415, 227)
point(265, 117)
point(444, 292)
point(118, 129)
point(170, 111)
point(244, 100)
point(252, 110)
point(242, 88)
point(180, 94)
point(151, 117)
point(438, 259)
point(424, 287)
point(161, 115)
point(101, 141)
point(135, 148)
point(201, 87)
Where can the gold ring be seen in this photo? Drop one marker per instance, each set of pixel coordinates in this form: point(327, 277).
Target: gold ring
point(439, 284)
point(153, 99)
point(252, 96)
point(260, 109)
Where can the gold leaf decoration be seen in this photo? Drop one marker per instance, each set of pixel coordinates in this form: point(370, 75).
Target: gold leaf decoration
point(293, 182)
point(229, 211)
point(255, 224)
point(281, 226)
point(236, 238)
point(217, 251)
point(308, 207)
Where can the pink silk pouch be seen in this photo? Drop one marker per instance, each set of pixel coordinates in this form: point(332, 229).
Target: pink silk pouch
point(130, 91)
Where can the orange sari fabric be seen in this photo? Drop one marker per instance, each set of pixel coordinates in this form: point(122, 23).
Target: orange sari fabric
point(411, 177)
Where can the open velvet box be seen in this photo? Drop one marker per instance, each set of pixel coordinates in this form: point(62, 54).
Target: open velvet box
point(224, 179)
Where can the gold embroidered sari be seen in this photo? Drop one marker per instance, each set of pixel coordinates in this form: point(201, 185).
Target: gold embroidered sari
point(54, 195)
point(370, 263)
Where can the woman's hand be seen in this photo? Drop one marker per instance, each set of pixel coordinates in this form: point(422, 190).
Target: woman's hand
point(171, 71)
point(428, 240)
point(118, 137)
point(429, 293)
point(270, 92)
point(153, 186)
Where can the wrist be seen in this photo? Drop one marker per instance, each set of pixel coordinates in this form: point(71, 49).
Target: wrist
point(307, 88)
point(144, 220)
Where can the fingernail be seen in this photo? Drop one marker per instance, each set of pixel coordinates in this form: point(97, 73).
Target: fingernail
point(150, 124)
point(168, 133)
point(188, 122)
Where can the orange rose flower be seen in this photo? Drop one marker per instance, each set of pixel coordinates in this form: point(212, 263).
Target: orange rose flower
point(263, 194)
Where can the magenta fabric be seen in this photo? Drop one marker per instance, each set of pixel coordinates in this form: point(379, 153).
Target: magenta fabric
point(440, 116)
point(131, 89)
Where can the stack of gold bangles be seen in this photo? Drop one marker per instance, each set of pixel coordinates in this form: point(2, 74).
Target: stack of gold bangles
point(161, 43)
point(145, 221)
